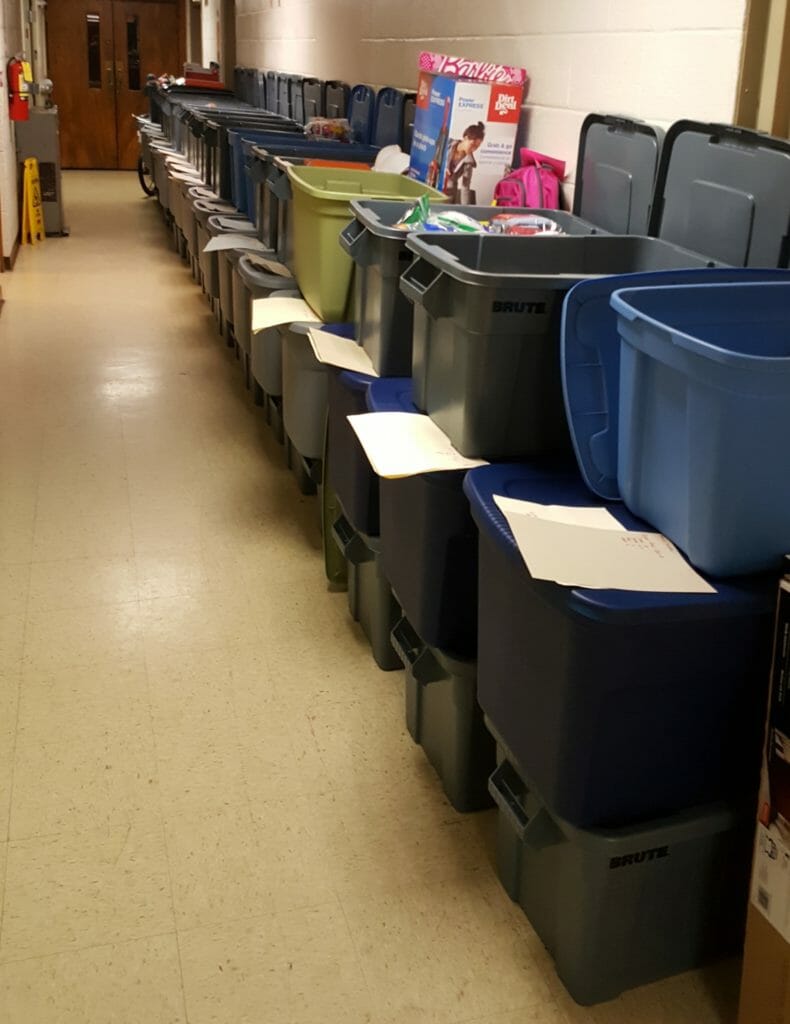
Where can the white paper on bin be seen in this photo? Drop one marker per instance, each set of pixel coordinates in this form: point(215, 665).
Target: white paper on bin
point(273, 311)
point(344, 353)
point(271, 266)
point(234, 241)
point(400, 444)
point(557, 545)
point(572, 515)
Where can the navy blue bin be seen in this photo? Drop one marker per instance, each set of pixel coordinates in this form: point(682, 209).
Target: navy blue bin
point(428, 543)
point(620, 706)
point(348, 470)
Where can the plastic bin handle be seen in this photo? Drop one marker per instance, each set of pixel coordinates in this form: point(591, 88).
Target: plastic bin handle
point(415, 655)
point(538, 828)
point(280, 185)
point(422, 283)
point(354, 239)
point(349, 541)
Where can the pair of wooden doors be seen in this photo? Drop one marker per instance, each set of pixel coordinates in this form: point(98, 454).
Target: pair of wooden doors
point(99, 54)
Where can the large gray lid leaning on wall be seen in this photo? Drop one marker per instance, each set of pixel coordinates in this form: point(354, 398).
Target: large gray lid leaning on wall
point(724, 191)
point(615, 173)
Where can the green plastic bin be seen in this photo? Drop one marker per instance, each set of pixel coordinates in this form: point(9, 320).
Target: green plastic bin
point(321, 209)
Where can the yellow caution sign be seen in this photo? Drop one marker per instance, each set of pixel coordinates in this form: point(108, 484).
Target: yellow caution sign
point(32, 211)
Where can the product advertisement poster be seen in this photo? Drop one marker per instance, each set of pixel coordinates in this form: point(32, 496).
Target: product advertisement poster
point(464, 135)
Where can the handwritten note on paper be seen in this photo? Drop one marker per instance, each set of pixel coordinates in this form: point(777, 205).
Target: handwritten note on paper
point(572, 515)
point(272, 311)
point(234, 241)
point(271, 266)
point(343, 352)
point(400, 444)
point(599, 557)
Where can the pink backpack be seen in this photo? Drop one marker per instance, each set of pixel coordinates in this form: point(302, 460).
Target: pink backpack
point(536, 183)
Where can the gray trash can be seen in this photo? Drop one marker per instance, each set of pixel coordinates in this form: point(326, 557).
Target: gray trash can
point(618, 908)
point(263, 349)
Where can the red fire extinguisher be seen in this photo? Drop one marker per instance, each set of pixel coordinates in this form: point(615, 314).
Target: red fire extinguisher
point(19, 77)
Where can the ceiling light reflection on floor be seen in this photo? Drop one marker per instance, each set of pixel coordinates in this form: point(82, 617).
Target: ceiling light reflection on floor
point(130, 387)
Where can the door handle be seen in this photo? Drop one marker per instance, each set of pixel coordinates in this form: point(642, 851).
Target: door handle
point(119, 73)
point(110, 69)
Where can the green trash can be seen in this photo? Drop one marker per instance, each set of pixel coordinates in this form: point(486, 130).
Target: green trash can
point(321, 209)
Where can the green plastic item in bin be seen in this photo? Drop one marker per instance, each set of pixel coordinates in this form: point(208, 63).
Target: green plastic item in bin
point(321, 198)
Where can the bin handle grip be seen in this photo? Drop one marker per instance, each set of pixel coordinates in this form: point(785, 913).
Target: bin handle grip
point(415, 655)
point(354, 239)
point(349, 541)
point(280, 186)
point(536, 827)
point(422, 283)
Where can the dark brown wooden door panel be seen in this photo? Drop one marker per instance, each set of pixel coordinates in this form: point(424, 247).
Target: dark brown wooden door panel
point(100, 52)
point(81, 54)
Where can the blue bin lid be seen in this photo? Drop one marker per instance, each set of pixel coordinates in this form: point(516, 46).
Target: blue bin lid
point(590, 362)
point(391, 394)
point(356, 382)
point(554, 484)
point(616, 172)
point(388, 120)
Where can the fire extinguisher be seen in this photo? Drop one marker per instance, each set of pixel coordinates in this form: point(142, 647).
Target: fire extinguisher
point(19, 79)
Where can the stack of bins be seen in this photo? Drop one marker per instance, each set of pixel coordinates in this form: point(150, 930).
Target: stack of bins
point(323, 272)
point(627, 724)
point(383, 320)
point(251, 280)
point(427, 541)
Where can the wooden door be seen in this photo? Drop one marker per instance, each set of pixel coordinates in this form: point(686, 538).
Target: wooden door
point(146, 42)
point(81, 58)
point(100, 52)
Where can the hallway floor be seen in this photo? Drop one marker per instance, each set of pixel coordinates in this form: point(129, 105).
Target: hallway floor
point(210, 809)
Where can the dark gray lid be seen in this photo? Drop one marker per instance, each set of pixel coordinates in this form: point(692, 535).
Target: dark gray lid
point(615, 172)
point(724, 191)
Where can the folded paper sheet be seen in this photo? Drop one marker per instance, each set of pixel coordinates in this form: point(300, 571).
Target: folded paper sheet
point(272, 311)
point(575, 547)
point(343, 352)
point(401, 444)
point(271, 266)
point(235, 241)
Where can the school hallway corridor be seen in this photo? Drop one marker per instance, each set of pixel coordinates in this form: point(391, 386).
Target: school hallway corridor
point(210, 808)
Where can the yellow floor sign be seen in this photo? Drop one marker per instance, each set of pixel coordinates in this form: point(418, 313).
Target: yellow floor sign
point(32, 211)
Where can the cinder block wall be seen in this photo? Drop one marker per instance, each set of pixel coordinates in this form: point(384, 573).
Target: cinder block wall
point(655, 59)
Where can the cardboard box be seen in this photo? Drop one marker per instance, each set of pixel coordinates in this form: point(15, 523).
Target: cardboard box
point(765, 987)
point(465, 125)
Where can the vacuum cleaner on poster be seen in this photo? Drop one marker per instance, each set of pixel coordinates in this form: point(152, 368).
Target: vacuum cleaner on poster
point(465, 125)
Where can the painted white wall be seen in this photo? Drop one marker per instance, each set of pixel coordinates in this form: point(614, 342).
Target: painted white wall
point(655, 59)
point(10, 43)
point(209, 30)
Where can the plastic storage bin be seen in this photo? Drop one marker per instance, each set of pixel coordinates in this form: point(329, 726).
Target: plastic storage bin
point(444, 718)
point(590, 363)
point(622, 907)
point(250, 282)
point(704, 417)
point(618, 706)
point(370, 598)
point(321, 197)
point(349, 472)
point(383, 315)
point(428, 542)
point(485, 359)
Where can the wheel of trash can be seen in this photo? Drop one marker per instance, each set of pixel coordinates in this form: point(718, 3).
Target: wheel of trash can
point(146, 178)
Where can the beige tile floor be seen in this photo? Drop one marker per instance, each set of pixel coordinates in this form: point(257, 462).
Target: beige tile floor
point(210, 810)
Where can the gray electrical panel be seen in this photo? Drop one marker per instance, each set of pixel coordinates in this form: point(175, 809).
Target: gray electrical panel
point(40, 137)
